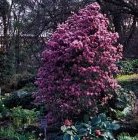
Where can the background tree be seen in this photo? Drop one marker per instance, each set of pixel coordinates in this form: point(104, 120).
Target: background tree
point(123, 15)
point(27, 25)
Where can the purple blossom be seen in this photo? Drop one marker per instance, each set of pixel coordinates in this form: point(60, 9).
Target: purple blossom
point(79, 62)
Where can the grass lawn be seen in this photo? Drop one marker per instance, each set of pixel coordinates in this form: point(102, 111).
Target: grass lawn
point(132, 77)
point(129, 82)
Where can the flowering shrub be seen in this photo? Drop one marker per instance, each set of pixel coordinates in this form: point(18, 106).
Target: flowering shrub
point(78, 63)
point(68, 122)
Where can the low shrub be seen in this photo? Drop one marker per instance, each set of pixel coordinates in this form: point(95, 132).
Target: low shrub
point(126, 136)
point(99, 127)
point(123, 104)
point(23, 117)
point(11, 134)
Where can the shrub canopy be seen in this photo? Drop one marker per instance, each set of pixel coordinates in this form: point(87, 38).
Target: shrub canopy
point(79, 62)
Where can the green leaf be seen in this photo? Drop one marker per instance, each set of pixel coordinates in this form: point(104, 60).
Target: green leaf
point(113, 126)
point(95, 121)
point(70, 132)
point(74, 128)
point(86, 118)
point(76, 138)
point(66, 137)
point(127, 110)
point(82, 132)
point(108, 135)
point(69, 137)
point(63, 128)
point(103, 117)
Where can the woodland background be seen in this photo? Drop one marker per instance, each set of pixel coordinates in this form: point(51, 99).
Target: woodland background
point(26, 25)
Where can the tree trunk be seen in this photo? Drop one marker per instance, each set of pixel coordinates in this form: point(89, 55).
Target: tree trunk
point(5, 33)
point(17, 51)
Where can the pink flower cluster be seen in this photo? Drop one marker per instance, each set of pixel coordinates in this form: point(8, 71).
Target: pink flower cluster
point(79, 62)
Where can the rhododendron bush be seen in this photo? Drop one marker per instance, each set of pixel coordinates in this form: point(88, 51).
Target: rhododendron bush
point(79, 63)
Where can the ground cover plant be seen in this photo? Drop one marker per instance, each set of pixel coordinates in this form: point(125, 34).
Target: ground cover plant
point(15, 123)
point(99, 127)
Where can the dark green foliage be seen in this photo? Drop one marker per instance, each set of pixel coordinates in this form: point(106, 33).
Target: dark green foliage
point(26, 101)
point(4, 112)
point(130, 85)
point(128, 66)
point(99, 127)
point(23, 117)
point(126, 136)
point(124, 104)
point(124, 98)
point(15, 123)
point(11, 134)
